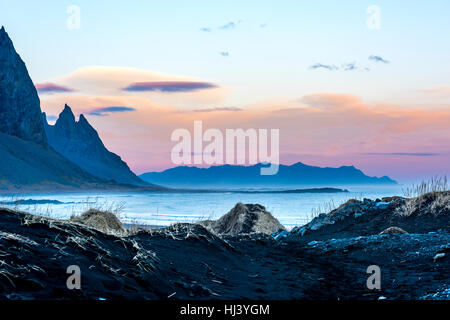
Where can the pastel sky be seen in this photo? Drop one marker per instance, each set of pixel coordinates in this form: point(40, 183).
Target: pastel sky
point(341, 90)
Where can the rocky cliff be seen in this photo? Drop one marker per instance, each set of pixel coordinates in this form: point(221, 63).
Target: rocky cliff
point(19, 103)
point(27, 162)
point(80, 142)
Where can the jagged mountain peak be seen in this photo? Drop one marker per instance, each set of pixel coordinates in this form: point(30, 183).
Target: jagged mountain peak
point(4, 35)
point(20, 110)
point(83, 122)
point(67, 121)
point(28, 160)
point(66, 116)
point(81, 143)
point(67, 109)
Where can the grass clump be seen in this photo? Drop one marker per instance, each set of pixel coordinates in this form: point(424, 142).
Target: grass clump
point(435, 203)
point(103, 221)
point(435, 184)
point(428, 197)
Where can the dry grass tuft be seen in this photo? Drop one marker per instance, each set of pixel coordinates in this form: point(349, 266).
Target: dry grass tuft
point(103, 221)
point(428, 197)
point(435, 184)
point(434, 203)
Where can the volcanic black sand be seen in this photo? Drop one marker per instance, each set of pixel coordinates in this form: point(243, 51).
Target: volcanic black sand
point(326, 259)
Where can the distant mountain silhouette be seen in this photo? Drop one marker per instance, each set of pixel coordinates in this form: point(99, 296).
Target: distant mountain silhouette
point(249, 176)
point(80, 142)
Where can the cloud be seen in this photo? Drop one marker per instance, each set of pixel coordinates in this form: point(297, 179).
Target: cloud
point(345, 67)
point(323, 66)
point(263, 25)
point(350, 66)
point(106, 111)
point(228, 26)
point(50, 88)
point(325, 129)
point(406, 154)
point(378, 59)
point(224, 53)
point(218, 109)
point(441, 91)
point(169, 86)
point(110, 81)
point(330, 100)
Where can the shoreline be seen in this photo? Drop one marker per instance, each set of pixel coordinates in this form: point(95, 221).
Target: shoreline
point(161, 189)
point(324, 259)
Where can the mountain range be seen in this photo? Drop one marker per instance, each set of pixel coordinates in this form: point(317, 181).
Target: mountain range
point(35, 156)
point(226, 176)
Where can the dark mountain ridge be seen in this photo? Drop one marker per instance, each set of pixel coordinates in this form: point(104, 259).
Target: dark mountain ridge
point(230, 175)
point(80, 142)
point(27, 162)
point(19, 102)
point(26, 166)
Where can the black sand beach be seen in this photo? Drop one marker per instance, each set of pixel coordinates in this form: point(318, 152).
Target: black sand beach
point(188, 261)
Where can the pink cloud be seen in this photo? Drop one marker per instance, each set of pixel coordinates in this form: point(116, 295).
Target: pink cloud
point(117, 81)
point(169, 86)
point(324, 129)
point(50, 88)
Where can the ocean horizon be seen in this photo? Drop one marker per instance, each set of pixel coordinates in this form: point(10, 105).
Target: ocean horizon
point(166, 208)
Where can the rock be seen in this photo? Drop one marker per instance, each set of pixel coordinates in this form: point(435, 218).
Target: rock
point(100, 220)
point(246, 219)
point(390, 199)
point(439, 256)
point(393, 230)
point(426, 213)
point(20, 110)
point(80, 142)
point(320, 221)
point(280, 234)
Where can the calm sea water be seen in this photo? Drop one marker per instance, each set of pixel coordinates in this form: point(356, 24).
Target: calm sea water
point(163, 209)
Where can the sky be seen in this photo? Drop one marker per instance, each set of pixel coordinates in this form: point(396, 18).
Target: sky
point(363, 83)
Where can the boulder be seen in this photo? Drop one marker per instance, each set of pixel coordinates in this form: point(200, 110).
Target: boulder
point(245, 219)
point(393, 230)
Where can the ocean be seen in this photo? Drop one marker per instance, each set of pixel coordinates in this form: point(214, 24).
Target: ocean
point(165, 208)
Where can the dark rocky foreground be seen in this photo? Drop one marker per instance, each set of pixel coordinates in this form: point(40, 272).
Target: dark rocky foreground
point(326, 259)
